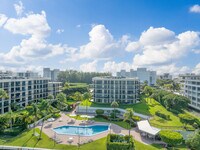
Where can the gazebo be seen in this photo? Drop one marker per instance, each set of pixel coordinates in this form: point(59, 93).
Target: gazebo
point(146, 130)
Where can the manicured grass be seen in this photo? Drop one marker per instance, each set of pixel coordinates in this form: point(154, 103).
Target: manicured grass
point(173, 123)
point(140, 107)
point(27, 140)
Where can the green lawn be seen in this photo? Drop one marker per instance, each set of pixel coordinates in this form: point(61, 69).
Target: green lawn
point(27, 140)
point(140, 107)
point(173, 123)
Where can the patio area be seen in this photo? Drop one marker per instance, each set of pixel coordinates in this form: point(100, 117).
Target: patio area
point(75, 139)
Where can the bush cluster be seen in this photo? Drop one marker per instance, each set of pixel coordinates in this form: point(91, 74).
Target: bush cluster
point(117, 142)
point(164, 116)
point(99, 112)
point(56, 115)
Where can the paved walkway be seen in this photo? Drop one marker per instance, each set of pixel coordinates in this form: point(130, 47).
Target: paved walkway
point(20, 148)
point(66, 120)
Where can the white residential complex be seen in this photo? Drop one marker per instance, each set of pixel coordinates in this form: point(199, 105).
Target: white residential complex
point(141, 73)
point(24, 90)
point(120, 89)
point(51, 74)
point(165, 76)
point(190, 87)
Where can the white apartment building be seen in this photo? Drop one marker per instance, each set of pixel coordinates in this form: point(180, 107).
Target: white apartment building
point(54, 88)
point(120, 89)
point(190, 87)
point(51, 74)
point(24, 88)
point(141, 73)
point(165, 76)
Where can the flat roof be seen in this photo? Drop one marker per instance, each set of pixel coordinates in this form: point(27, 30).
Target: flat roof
point(147, 128)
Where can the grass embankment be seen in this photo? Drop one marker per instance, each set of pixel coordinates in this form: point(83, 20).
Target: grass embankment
point(27, 140)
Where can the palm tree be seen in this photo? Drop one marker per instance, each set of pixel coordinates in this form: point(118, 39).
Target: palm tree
point(26, 119)
point(34, 111)
point(46, 108)
point(114, 104)
point(128, 115)
point(86, 97)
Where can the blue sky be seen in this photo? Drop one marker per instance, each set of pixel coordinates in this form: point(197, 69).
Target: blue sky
point(93, 35)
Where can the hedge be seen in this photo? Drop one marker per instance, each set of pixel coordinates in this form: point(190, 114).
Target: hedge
point(170, 137)
point(117, 142)
point(99, 112)
point(164, 116)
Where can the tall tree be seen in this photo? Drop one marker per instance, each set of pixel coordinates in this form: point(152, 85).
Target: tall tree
point(87, 96)
point(114, 104)
point(46, 110)
point(128, 116)
point(35, 112)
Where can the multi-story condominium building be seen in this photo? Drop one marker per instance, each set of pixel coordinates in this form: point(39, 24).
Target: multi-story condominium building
point(22, 91)
point(54, 88)
point(141, 73)
point(120, 89)
point(165, 76)
point(190, 87)
point(51, 74)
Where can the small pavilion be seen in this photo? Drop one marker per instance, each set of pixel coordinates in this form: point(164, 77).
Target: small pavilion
point(146, 130)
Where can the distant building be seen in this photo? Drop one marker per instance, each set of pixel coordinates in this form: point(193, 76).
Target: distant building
point(120, 89)
point(27, 74)
point(190, 87)
point(165, 76)
point(51, 74)
point(141, 73)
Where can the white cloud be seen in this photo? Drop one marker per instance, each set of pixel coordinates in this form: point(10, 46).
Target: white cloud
point(160, 45)
point(3, 19)
point(89, 67)
point(59, 31)
point(195, 9)
point(196, 70)
point(19, 8)
point(113, 67)
point(101, 44)
point(78, 26)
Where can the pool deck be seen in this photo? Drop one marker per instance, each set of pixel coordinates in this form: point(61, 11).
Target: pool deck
point(66, 120)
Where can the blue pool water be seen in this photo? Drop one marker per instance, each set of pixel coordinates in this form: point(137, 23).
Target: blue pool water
point(81, 130)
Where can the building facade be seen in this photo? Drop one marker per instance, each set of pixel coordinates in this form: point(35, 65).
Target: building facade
point(190, 87)
point(22, 91)
point(165, 76)
point(141, 73)
point(120, 89)
point(54, 88)
point(51, 74)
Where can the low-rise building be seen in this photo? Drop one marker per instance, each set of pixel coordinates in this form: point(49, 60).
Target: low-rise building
point(120, 89)
point(190, 87)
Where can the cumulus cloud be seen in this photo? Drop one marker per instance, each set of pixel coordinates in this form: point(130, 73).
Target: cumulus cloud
point(196, 70)
point(19, 8)
point(113, 67)
point(160, 45)
point(101, 44)
point(89, 67)
point(195, 9)
point(59, 31)
point(3, 19)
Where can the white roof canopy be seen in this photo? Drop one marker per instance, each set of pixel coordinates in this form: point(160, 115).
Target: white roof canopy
point(146, 127)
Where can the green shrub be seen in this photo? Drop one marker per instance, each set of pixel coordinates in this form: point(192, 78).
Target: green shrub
point(99, 112)
point(170, 137)
point(174, 111)
point(164, 116)
point(186, 119)
point(117, 142)
point(56, 115)
point(13, 132)
point(136, 118)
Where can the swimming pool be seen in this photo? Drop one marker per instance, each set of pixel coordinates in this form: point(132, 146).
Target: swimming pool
point(81, 130)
